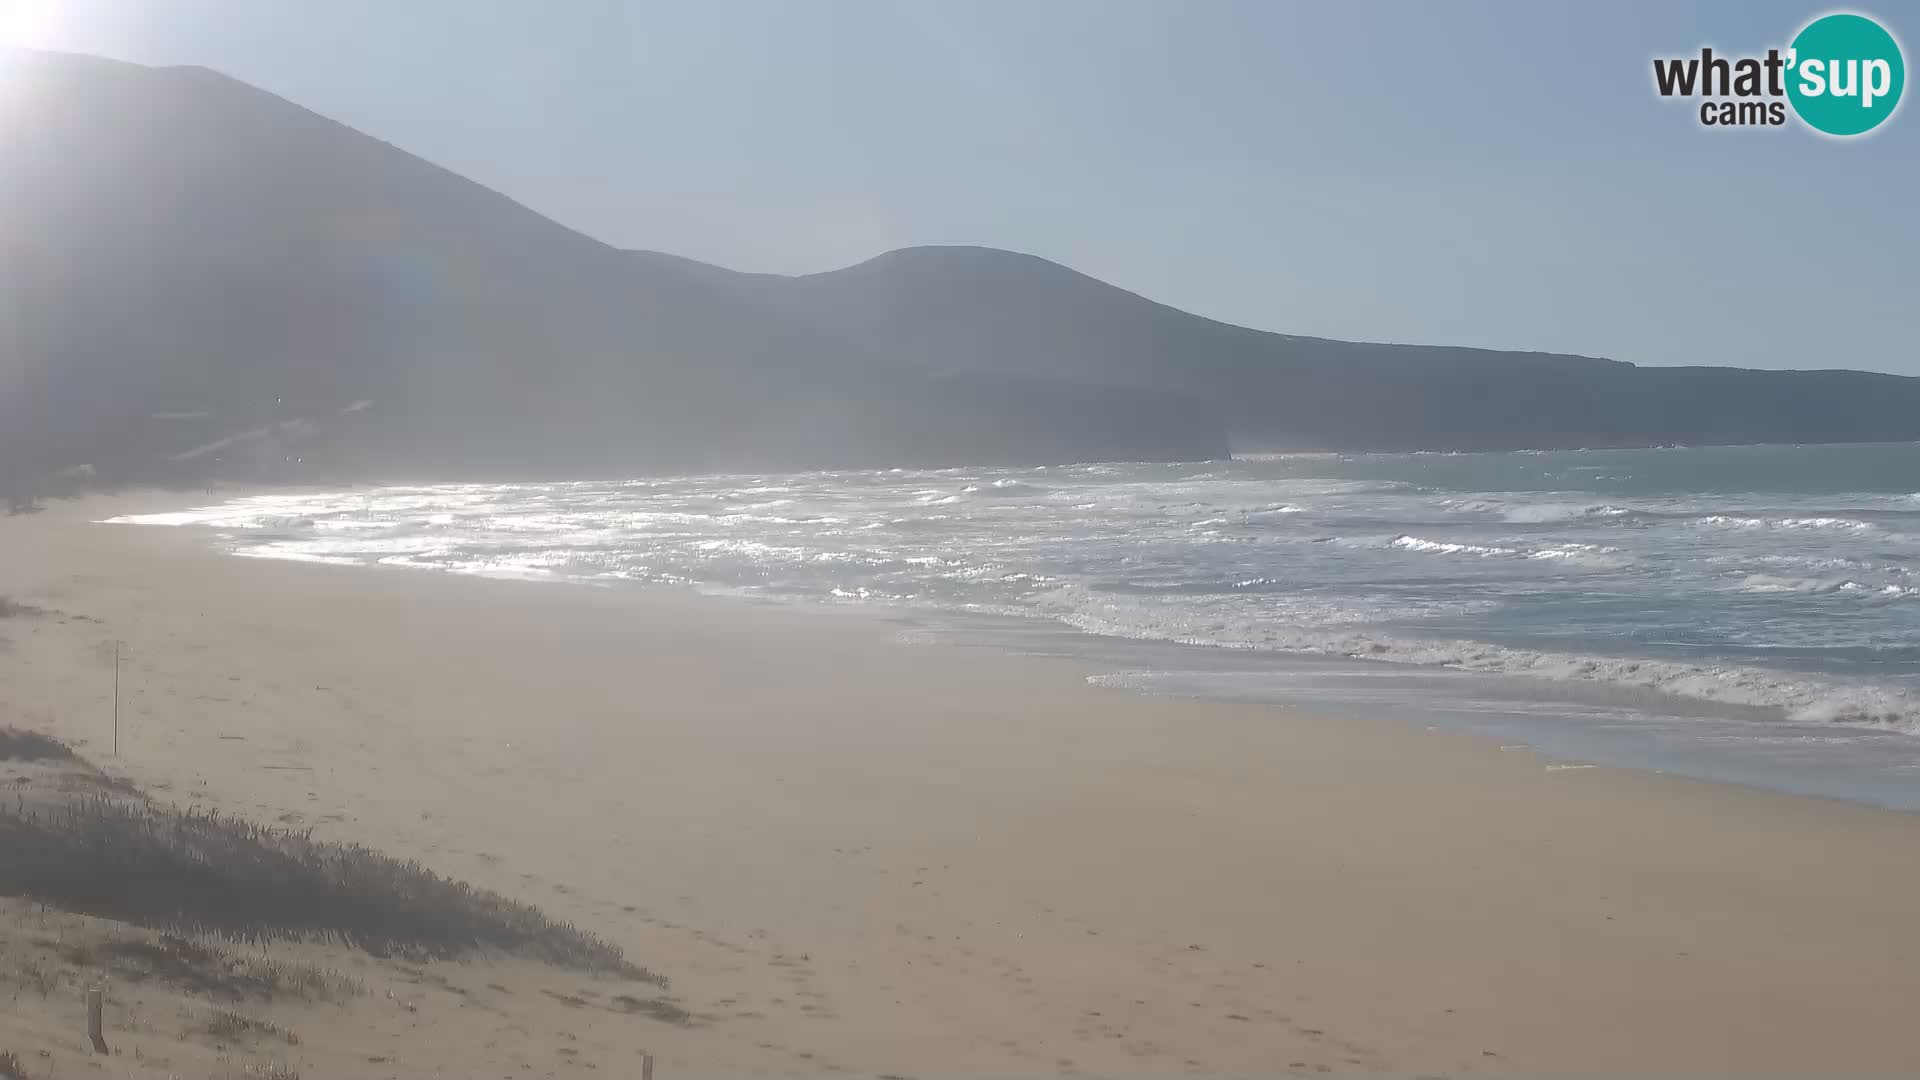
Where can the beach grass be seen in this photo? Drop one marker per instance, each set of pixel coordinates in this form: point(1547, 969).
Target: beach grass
point(229, 1026)
point(199, 873)
point(19, 745)
point(197, 967)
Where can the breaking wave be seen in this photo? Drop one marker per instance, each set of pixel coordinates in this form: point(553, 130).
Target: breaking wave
point(1591, 567)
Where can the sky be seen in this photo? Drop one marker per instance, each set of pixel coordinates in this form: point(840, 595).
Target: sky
point(1488, 174)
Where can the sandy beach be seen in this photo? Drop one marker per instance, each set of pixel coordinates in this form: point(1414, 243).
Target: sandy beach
point(853, 855)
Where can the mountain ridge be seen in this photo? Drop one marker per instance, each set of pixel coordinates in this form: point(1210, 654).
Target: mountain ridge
point(893, 255)
point(186, 245)
point(984, 309)
point(194, 262)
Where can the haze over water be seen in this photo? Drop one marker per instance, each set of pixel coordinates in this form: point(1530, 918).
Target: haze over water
point(1747, 613)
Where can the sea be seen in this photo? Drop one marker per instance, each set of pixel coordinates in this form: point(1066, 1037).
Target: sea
point(1743, 614)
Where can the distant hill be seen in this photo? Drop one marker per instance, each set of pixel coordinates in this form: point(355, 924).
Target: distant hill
point(198, 278)
point(986, 310)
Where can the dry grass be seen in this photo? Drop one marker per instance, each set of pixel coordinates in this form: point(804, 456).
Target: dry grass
point(10, 1067)
point(207, 970)
point(195, 872)
point(268, 1070)
point(308, 982)
point(18, 745)
point(9, 608)
point(199, 873)
point(35, 976)
point(234, 1027)
point(657, 1008)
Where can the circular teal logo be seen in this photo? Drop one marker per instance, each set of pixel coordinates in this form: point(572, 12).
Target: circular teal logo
point(1845, 74)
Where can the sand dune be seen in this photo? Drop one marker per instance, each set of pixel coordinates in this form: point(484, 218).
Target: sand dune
point(854, 856)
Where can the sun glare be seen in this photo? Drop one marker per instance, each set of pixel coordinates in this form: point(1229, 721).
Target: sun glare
point(27, 23)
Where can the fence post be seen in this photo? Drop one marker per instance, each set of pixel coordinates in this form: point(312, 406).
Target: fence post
point(95, 999)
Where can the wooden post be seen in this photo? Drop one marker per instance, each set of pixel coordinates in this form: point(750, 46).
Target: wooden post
point(646, 1067)
point(95, 998)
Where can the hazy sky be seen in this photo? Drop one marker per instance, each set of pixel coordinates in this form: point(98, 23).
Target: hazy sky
point(1490, 174)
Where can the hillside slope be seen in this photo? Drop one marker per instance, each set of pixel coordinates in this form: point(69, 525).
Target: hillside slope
point(196, 275)
point(982, 309)
point(198, 278)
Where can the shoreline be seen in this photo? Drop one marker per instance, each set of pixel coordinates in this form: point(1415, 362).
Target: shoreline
point(1107, 661)
point(1724, 719)
point(940, 859)
point(1096, 663)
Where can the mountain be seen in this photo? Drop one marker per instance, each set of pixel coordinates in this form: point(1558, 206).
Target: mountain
point(985, 310)
point(197, 277)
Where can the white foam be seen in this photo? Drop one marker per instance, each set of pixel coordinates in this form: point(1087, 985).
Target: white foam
point(300, 556)
point(1552, 512)
point(1825, 586)
point(1595, 556)
point(1280, 511)
point(1741, 521)
point(1441, 547)
point(1800, 697)
point(1209, 557)
point(216, 517)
